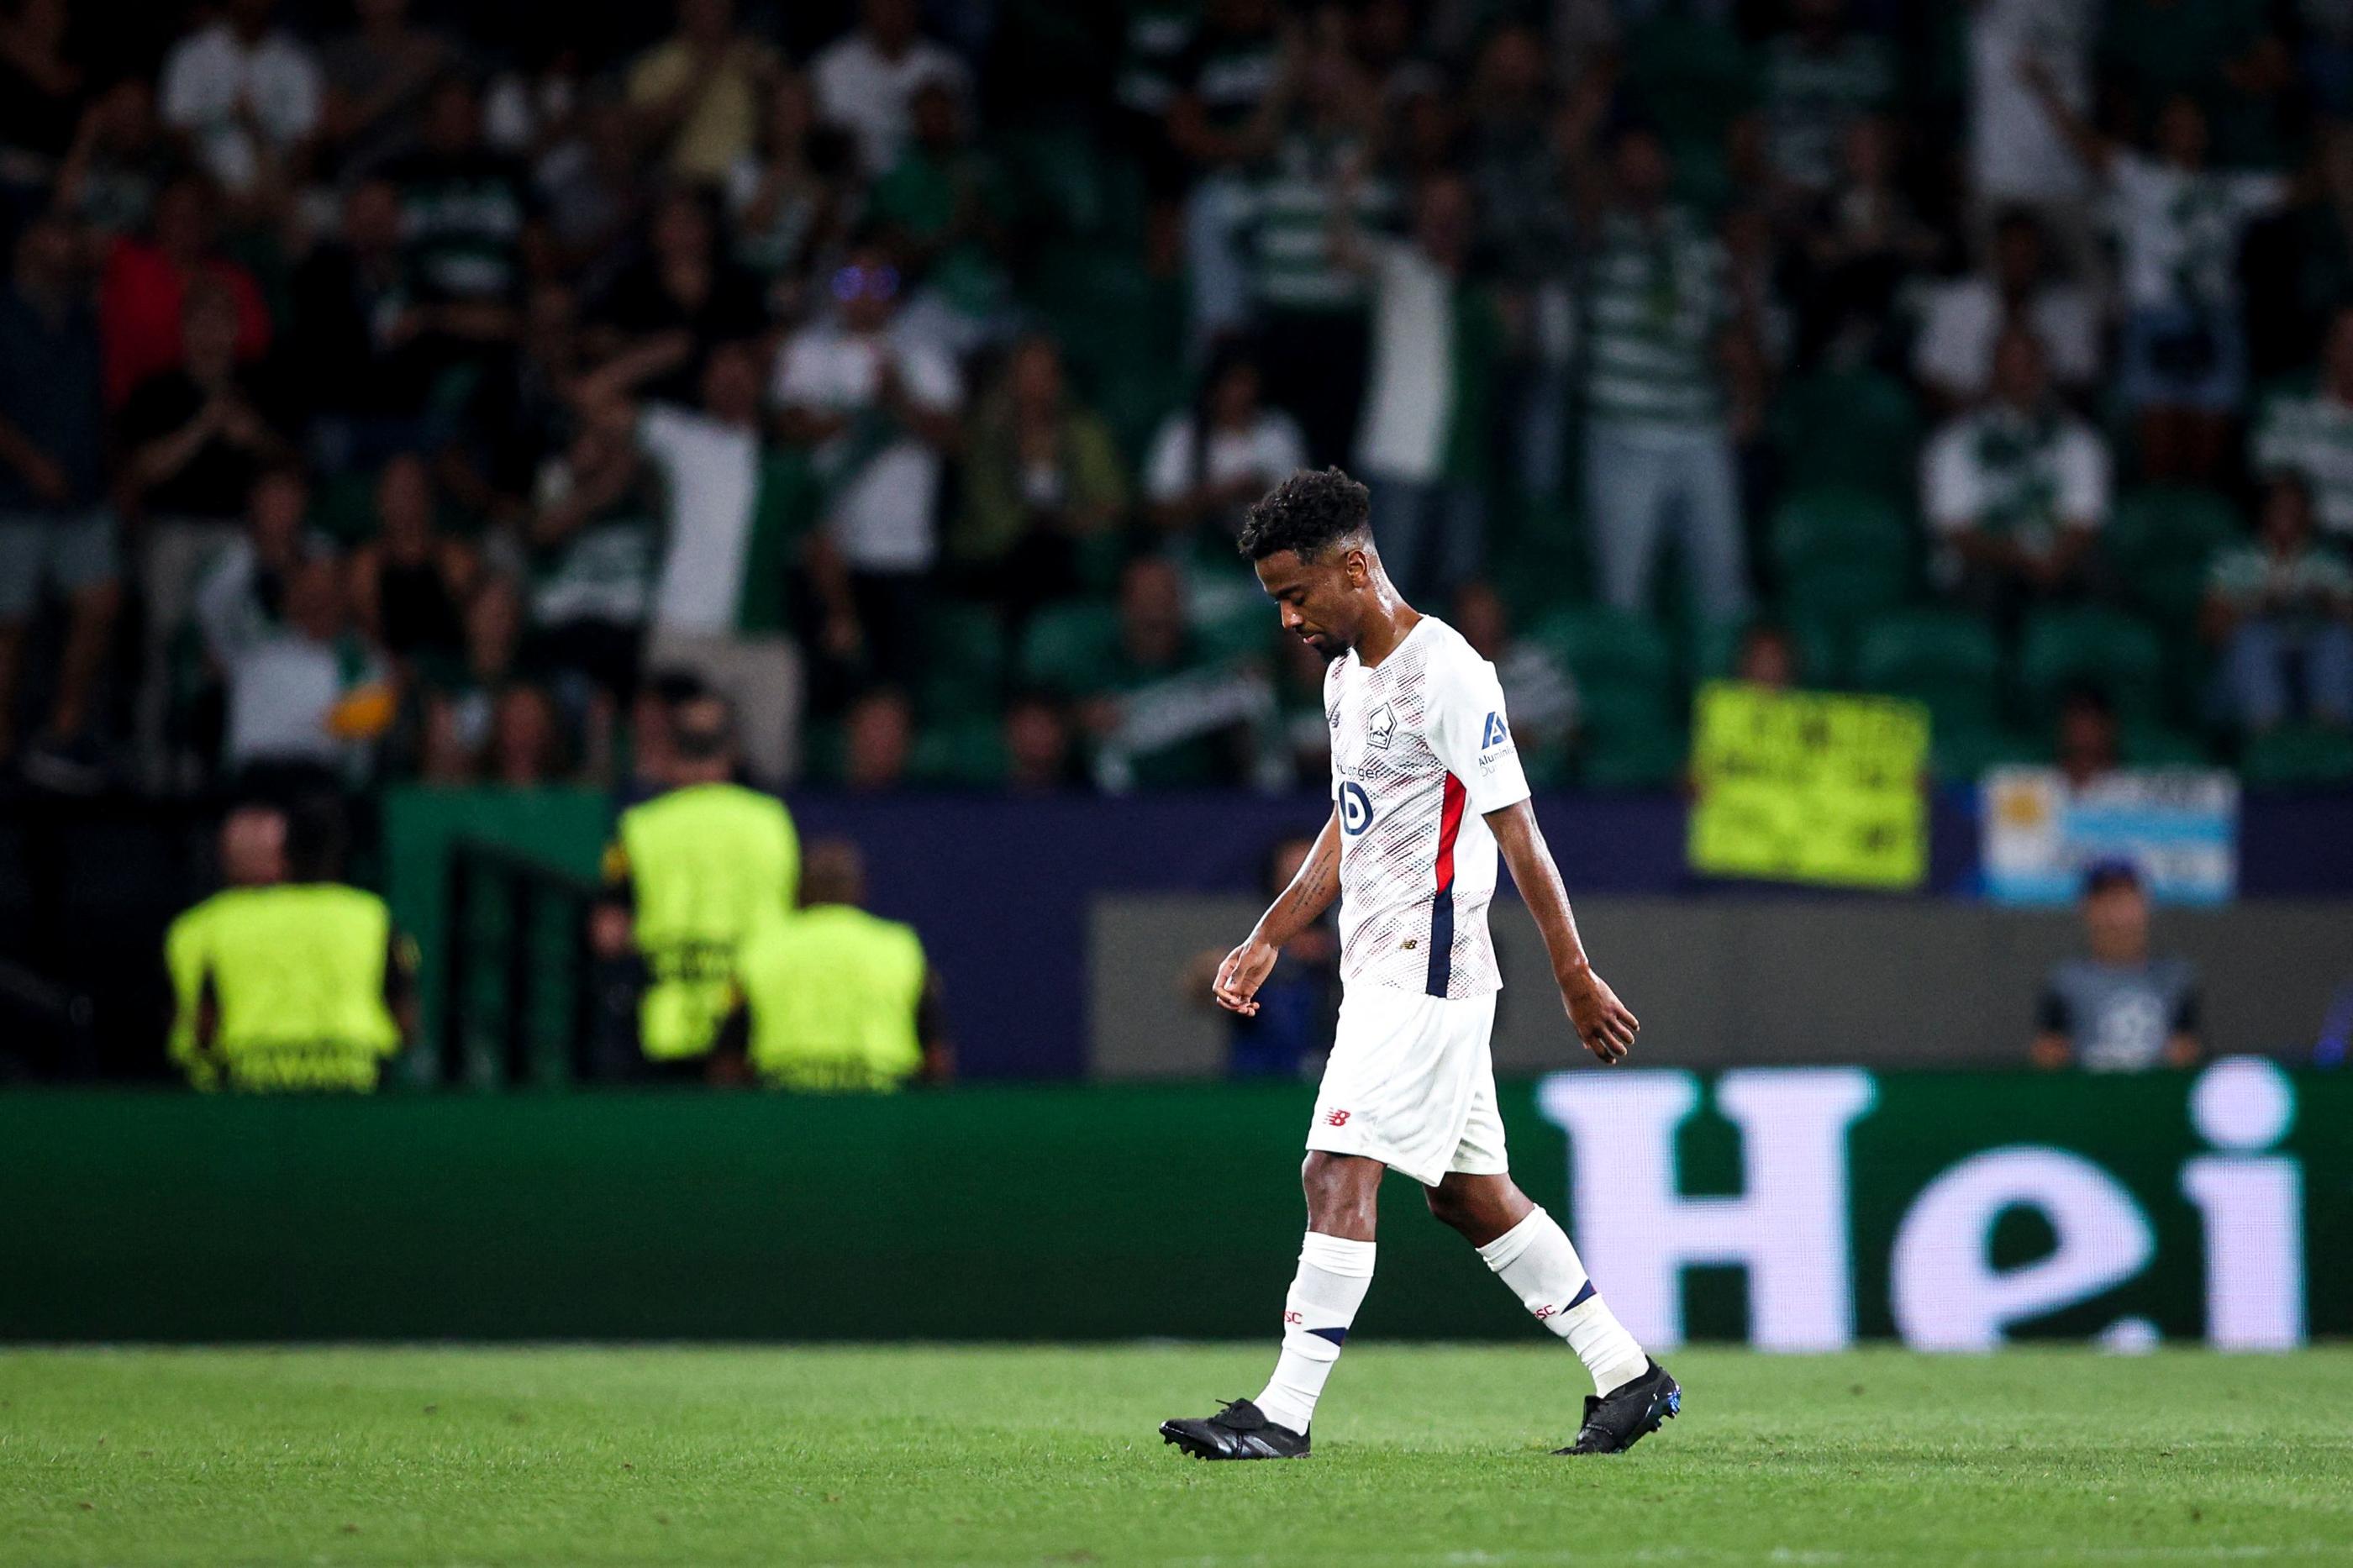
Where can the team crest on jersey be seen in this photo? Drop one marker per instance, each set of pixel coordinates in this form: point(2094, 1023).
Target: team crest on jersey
point(1380, 726)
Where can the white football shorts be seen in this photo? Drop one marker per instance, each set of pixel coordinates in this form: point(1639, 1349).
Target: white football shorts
point(1411, 1082)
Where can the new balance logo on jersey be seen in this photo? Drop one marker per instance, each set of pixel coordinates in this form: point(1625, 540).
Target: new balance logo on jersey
point(1495, 734)
point(1336, 1119)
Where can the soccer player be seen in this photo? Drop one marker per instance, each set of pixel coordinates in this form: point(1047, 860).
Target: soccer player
point(1426, 787)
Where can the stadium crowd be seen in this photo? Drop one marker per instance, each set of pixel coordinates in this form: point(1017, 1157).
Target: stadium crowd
point(396, 390)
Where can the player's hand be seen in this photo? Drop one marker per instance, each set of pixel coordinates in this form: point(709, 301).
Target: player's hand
point(1601, 1021)
point(1240, 976)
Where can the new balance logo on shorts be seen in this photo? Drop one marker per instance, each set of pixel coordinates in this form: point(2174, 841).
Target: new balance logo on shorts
point(1336, 1119)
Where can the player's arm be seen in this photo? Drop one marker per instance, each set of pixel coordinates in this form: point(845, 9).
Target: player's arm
point(1295, 908)
point(1601, 1021)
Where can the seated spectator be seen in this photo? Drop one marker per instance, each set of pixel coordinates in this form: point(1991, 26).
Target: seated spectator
point(878, 740)
point(683, 297)
point(944, 207)
point(832, 999)
point(119, 162)
point(1161, 712)
point(866, 79)
point(2179, 224)
point(247, 96)
point(1539, 693)
point(1286, 1036)
point(1428, 409)
point(309, 697)
point(240, 593)
point(411, 583)
point(375, 79)
point(526, 738)
point(1041, 475)
point(717, 607)
point(2119, 1009)
point(1767, 656)
point(1040, 752)
point(352, 350)
point(57, 527)
point(2278, 608)
point(788, 197)
point(1209, 462)
point(1659, 450)
point(2089, 743)
point(142, 293)
point(2015, 493)
point(696, 95)
point(458, 712)
point(1953, 355)
point(593, 194)
point(2310, 435)
point(878, 410)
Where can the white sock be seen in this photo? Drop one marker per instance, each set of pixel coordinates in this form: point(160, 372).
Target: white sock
point(1535, 1259)
point(1333, 1277)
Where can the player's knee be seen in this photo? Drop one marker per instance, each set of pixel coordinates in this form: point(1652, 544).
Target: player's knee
point(1448, 1207)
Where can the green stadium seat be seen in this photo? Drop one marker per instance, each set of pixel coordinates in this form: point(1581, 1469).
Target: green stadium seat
point(1838, 522)
point(966, 752)
point(2148, 743)
point(1945, 659)
point(1959, 753)
point(2298, 756)
point(2162, 540)
point(1649, 757)
point(964, 668)
point(1067, 645)
point(1632, 733)
point(1857, 429)
point(2092, 647)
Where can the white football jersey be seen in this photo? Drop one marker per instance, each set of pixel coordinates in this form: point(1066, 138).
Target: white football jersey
point(1421, 750)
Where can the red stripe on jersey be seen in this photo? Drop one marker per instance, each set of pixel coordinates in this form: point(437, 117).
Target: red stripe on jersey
point(1450, 823)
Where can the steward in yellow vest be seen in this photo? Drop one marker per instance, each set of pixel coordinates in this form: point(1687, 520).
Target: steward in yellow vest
point(694, 871)
point(287, 980)
point(832, 998)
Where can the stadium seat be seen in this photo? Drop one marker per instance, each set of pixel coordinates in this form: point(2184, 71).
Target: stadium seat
point(1635, 759)
point(1838, 522)
point(1959, 753)
point(1066, 646)
point(1857, 429)
point(1633, 736)
point(2150, 744)
point(1943, 658)
point(963, 752)
point(2103, 649)
point(2298, 756)
point(964, 668)
point(2162, 540)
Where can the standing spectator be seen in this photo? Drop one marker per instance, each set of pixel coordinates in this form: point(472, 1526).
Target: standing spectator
point(2121, 1009)
point(411, 584)
point(459, 699)
point(1042, 476)
point(2017, 152)
point(144, 291)
point(376, 80)
point(683, 297)
point(1821, 77)
point(697, 94)
point(2178, 224)
point(594, 194)
point(1863, 244)
point(363, 377)
point(1423, 446)
point(248, 96)
point(944, 208)
point(1658, 449)
point(1209, 462)
point(41, 88)
point(56, 529)
point(469, 220)
point(718, 598)
point(119, 161)
point(866, 80)
point(2016, 491)
point(518, 413)
point(2310, 435)
point(1235, 80)
point(788, 199)
point(1953, 355)
point(878, 410)
point(2281, 604)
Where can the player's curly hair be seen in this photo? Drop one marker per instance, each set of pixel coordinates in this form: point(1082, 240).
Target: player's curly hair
point(1307, 514)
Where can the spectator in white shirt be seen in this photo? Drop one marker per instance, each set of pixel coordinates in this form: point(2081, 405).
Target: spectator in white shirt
point(1953, 356)
point(2016, 491)
point(878, 408)
point(247, 96)
point(2177, 225)
point(1213, 460)
point(866, 80)
point(2017, 156)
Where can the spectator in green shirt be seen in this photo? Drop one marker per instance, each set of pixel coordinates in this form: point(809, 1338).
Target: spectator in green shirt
point(943, 207)
point(2280, 603)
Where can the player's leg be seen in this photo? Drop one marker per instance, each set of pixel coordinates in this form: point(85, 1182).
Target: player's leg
point(1335, 1269)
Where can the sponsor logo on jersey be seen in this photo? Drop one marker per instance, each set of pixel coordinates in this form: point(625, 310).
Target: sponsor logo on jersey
point(1356, 809)
point(1380, 726)
point(1494, 733)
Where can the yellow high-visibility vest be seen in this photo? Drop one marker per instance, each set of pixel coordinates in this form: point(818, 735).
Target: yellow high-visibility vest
point(297, 979)
point(833, 994)
point(708, 863)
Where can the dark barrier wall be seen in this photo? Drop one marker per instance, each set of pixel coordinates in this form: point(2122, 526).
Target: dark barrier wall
point(1795, 1208)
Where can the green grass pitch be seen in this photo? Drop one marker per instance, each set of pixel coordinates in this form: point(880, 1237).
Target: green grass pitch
point(1043, 1456)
